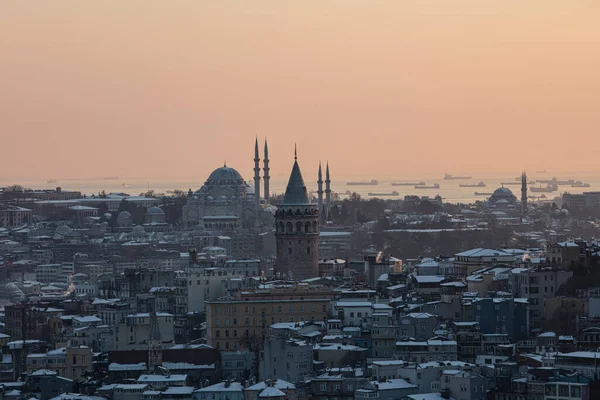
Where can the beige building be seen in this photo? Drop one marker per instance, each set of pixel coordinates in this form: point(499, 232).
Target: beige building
point(229, 322)
point(68, 362)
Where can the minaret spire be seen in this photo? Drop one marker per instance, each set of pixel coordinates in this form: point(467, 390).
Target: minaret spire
point(524, 193)
point(256, 174)
point(320, 194)
point(295, 151)
point(266, 176)
point(327, 192)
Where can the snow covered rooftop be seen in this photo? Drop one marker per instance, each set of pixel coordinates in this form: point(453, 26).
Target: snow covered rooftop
point(481, 252)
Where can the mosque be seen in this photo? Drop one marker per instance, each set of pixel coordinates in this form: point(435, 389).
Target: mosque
point(226, 205)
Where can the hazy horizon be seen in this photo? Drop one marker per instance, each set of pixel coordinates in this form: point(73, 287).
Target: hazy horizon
point(381, 89)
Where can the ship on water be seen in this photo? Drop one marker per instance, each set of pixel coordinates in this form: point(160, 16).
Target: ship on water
point(580, 184)
point(434, 186)
point(51, 181)
point(554, 181)
point(480, 184)
point(547, 189)
point(125, 185)
point(452, 177)
point(111, 178)
point(394, 193)
point(408, 183)
point(483, 193)
point(372, 182)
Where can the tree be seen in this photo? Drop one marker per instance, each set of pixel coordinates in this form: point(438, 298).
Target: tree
point(254, 344)
point(14, 188)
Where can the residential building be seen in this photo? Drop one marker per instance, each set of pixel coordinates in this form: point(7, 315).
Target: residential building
point(228, 322)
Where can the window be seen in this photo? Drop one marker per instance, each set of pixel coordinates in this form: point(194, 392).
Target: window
point(323, 387)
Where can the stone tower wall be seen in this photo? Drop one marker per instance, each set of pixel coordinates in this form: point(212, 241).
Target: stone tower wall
point(297, 236)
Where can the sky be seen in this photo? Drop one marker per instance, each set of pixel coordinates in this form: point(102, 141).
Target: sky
point(378, 88)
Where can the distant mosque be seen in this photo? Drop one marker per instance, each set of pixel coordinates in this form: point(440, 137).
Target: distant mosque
point(227, 204)
point(503, 198)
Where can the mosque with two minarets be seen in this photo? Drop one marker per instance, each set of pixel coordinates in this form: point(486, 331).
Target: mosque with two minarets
point(226, 206)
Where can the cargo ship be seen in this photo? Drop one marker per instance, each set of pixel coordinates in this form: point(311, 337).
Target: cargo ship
point(408, 183)
point(509, 183)
point(555, 181)
point(482, 194)
point(372, 182)
point(480, 184)
point(547, 189)
point(434, 186)
point(580, 184)
point(452, 177)
point(394, 193)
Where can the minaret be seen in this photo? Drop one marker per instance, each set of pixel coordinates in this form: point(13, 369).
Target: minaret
point(327, 192)
point(320, 194)
point(256, 175)
point(266, 176)
point(524, 194)
point(297, 231)
point(154, 344)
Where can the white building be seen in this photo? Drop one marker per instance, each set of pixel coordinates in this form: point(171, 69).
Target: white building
point(54, 273)
point(133, 334)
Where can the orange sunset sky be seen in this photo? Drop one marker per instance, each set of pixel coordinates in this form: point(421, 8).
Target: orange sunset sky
point(400, 87)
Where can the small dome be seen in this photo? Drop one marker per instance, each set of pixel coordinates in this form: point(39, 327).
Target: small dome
point(209, 198)
point(138, 231)
point(223, 198)
point(124, 219)
point(124, 214)
point(63, 230)
point(155, 211)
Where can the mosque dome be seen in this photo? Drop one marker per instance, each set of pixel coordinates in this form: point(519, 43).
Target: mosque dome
point(225, 176)
point(124, 219)
point(503, 193)
point(138, 231)
point(156, 215)
point(155, 211)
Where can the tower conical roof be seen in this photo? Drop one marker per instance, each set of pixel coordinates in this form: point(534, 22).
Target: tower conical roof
point(296, 193)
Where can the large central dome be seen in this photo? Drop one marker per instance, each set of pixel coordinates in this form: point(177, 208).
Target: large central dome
point(503, 193)
point(225, 175)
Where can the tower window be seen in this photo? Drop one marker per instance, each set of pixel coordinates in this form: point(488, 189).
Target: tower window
point(308, 250)
point(289, 250)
